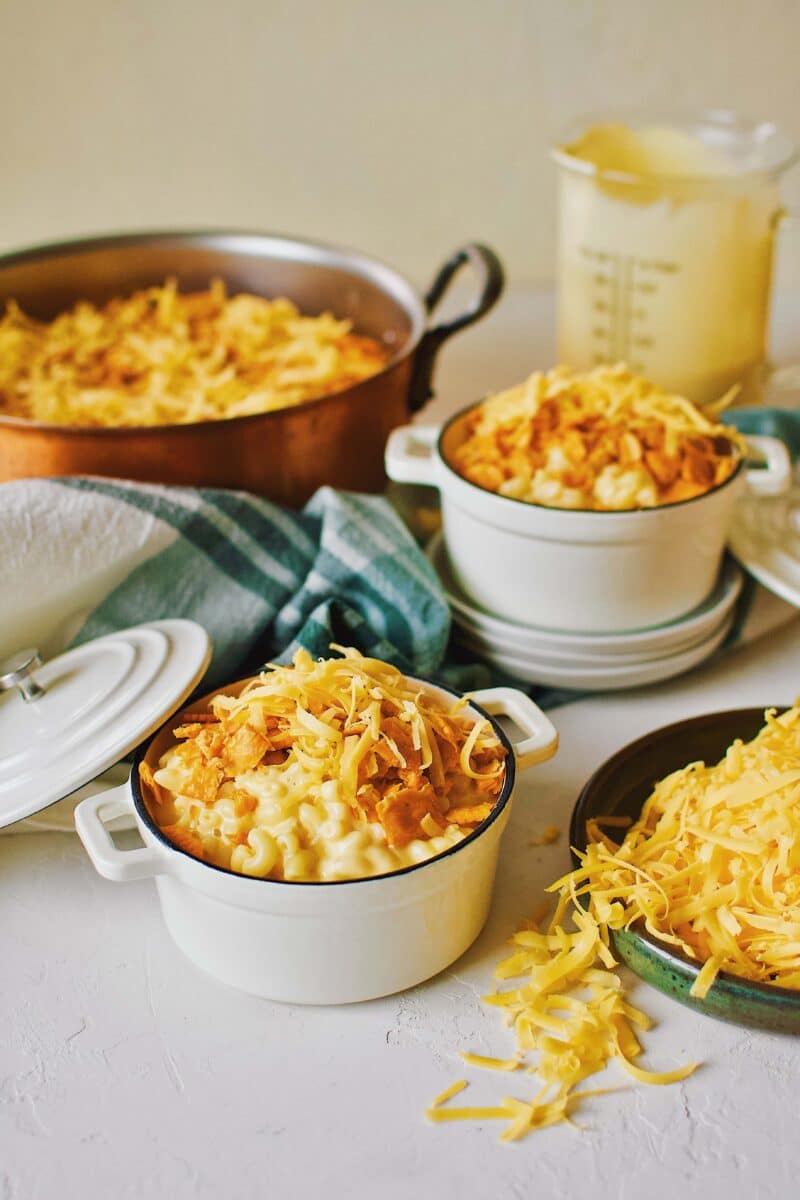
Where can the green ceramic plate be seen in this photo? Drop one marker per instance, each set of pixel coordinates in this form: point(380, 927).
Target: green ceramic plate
point(620, 788)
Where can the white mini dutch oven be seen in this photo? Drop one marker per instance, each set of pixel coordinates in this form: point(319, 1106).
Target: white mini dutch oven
point(578, 570)
point(320, 943)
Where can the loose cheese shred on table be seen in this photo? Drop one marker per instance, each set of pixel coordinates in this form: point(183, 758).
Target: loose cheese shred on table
point(492, 1064)
point(449, 1092)
point(711, 867)
point(546, 838)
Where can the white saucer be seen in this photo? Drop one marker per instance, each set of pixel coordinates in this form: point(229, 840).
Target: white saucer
point(765, 538)
point(482, 642)
point(600, 678)
point(679, 635)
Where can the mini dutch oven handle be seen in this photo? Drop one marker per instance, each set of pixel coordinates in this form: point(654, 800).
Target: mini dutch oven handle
point(409, 456)
point(91, 821)
point(774, 475)
point(489, 271)
point(540, 739)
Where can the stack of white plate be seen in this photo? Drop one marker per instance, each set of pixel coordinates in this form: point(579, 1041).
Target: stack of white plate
point(592, 661)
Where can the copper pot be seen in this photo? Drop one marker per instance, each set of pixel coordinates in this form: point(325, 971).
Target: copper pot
point(285, 454)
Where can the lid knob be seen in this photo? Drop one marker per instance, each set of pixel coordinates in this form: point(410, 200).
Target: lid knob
point(16, 672)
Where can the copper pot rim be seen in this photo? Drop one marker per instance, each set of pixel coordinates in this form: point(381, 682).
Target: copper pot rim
point(365, 264)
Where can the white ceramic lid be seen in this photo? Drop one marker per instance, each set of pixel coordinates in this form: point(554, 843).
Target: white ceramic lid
point(97, 702)
point(765, 537)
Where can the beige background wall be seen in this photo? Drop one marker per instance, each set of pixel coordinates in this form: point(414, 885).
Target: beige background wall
point(402, 128)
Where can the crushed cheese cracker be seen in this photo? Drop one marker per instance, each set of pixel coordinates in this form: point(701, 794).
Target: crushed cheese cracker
point(549, 835)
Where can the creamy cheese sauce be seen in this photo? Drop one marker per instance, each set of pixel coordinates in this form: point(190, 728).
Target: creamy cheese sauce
point(295, 831)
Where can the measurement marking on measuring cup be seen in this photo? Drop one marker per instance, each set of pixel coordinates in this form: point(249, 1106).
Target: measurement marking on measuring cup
point(621, 286)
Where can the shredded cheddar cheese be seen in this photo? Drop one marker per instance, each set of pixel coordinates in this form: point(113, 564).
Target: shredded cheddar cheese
point(712, 867)
point(466, 1114)
point(449, 1092)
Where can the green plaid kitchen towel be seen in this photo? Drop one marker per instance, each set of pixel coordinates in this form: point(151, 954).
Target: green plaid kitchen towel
point(89, 556)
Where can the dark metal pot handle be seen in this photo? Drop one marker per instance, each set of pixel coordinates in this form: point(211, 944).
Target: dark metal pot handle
point(489, 271)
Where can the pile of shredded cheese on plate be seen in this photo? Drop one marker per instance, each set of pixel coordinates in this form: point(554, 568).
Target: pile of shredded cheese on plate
point(162, 357)
point(712, 867)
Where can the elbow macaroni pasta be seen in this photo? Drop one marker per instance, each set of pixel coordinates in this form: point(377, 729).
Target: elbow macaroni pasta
point(294, 833)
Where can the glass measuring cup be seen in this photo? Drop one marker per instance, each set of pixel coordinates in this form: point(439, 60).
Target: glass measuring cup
point(667, 225)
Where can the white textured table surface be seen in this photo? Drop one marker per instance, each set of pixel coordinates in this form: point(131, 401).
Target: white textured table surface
point(125, 1072)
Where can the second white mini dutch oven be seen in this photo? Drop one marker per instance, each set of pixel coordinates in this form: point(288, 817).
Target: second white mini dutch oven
point(578, 570)
point(328, 942)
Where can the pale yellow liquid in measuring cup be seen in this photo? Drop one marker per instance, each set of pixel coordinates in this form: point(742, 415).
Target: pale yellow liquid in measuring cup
point(669, 272)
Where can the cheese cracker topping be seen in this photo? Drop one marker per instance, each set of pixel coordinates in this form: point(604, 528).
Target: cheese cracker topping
point(603, 439)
